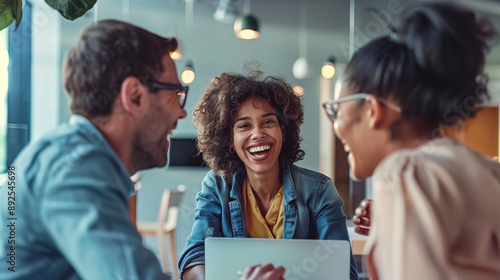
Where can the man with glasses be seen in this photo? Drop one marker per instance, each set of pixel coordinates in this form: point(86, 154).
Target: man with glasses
point(69, 190)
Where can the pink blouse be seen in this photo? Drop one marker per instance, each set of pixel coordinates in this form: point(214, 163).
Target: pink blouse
point(436, 214)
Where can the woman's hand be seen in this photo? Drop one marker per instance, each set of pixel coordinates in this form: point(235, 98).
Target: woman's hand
point(362, 217)
point(263, 272)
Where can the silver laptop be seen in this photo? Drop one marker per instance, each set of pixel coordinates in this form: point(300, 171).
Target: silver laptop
point(227, 258)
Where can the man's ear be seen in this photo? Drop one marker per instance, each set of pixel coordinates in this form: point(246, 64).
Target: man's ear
point(375, 112)
point(132, 95)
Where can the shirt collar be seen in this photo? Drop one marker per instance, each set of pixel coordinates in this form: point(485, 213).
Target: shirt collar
point(96, 137)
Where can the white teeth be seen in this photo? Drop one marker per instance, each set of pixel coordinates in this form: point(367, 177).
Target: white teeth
point(259, 149)
point(347, 148)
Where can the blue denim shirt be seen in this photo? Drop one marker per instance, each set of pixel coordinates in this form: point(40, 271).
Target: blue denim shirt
point(71, 212)
point(312, 210)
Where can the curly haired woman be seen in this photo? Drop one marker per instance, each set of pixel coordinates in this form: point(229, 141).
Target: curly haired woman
point(248, 133)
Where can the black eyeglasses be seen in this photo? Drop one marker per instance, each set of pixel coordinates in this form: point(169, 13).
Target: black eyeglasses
point(182, 91)
point(331, 107)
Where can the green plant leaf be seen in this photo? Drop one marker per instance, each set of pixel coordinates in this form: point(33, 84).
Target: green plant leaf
point(71, 9)
point(6, 17)
point(17, 10)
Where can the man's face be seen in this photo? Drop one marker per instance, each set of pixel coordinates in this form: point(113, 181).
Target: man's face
point(150, 147)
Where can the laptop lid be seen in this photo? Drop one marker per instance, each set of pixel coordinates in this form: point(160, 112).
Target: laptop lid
point(227, 258)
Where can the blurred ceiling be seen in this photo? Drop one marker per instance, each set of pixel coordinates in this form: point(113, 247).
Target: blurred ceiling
point(330, 17)
point(324, 16)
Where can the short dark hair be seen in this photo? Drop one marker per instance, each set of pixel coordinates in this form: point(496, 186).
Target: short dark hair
point(430, 64)
point(215, 112)
point(106, 53)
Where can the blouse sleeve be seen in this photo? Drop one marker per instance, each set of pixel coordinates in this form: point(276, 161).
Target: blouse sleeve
point(406, 232)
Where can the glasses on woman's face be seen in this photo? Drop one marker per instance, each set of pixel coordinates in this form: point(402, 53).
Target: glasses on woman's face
point(332, 106)
point(181, 91)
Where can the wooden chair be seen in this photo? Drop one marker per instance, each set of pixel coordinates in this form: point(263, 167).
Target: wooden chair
point(132, 202)
point(166, 224)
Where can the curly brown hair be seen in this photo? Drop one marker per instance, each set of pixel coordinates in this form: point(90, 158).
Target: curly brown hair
point(215, 112)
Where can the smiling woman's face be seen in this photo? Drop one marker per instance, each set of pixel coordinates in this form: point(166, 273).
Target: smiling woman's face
point(351, 127)
point(257, 136)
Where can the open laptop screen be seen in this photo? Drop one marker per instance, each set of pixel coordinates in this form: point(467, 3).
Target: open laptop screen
point(226, 258)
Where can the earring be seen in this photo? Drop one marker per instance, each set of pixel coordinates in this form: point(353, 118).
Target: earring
point(284, 139)
point(231, 150)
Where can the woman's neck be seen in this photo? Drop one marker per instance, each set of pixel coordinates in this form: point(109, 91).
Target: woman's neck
point(265, 184)
point(408, 135)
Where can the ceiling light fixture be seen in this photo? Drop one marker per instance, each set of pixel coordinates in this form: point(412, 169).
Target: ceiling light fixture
point(328, 69)
point(176, 54)
point(188, 75)
point(227, 11)
point(246, 26)
point(301, 68)
point(298, 90)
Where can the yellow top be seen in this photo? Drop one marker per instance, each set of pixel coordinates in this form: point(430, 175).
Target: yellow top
point(257, 226)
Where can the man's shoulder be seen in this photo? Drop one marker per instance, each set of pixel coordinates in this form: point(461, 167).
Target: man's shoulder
point(65, 147)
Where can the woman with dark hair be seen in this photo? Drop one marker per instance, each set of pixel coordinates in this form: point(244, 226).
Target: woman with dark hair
point(248, 133)
point(434, 198)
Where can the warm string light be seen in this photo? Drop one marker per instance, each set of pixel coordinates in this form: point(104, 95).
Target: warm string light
point(187, 75)
point(298, 90)
point(176, 54)
point(328, 69)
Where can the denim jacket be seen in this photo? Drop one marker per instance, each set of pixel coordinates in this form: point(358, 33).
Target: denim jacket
point(312, 210)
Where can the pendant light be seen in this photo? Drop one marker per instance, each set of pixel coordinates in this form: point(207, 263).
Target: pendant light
point(246, 26)
point(177, 53)
point(301, 68)
point(188, 75)
point(227, 11)
point(298, 90)
point(328, 69)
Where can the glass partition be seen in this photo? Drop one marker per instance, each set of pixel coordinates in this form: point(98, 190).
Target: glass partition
point(4, 83)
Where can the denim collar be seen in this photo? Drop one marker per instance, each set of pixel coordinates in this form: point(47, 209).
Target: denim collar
point(290, 193)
